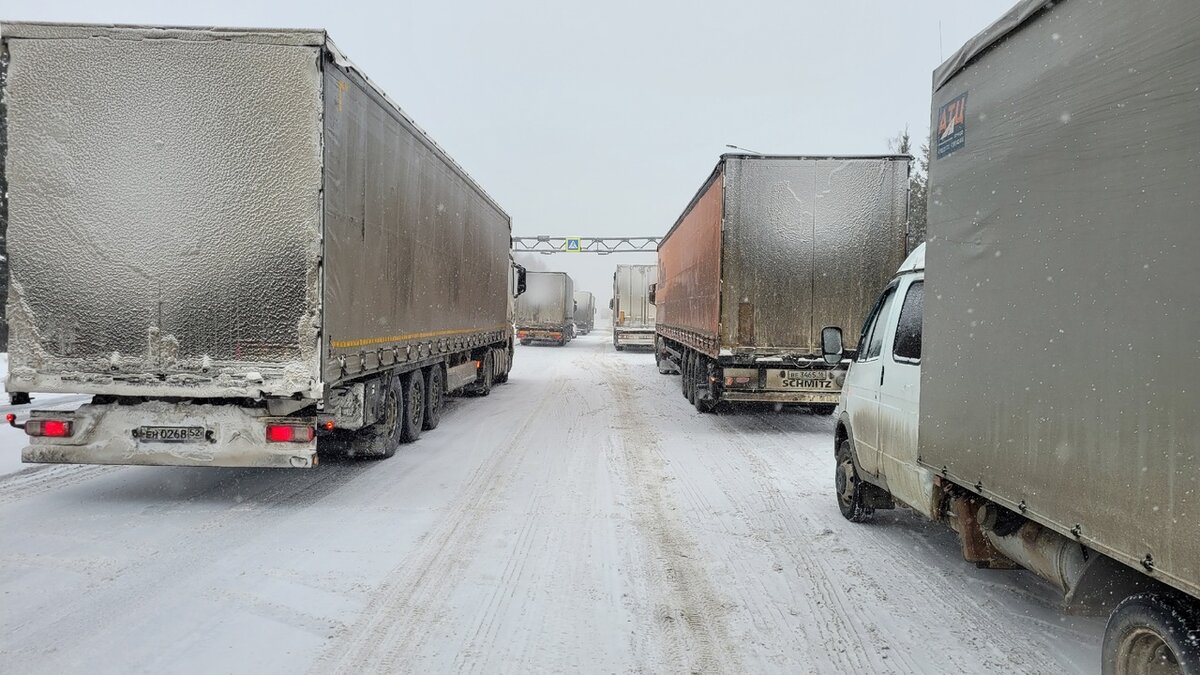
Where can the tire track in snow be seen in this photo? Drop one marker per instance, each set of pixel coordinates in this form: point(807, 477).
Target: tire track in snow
point(43, 478)
point(401, 613)
point(691, 613)
point(973, 622)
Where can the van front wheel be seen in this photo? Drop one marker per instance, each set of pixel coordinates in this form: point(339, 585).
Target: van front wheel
point(851, 492)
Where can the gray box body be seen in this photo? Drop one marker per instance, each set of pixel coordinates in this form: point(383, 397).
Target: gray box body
point(773, 248)
point(548, 301)
point(585, 309)
point(227, 212)
point(1061, 350)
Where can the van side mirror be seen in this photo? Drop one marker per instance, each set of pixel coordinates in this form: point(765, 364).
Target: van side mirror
point(520, 280)
point(650, 296)
point(610, 303)
point(831, 344)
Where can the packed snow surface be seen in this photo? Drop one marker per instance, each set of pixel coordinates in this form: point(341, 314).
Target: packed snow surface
point(582, 517)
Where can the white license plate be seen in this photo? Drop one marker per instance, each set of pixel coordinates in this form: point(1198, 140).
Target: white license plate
point(799, 379)
point(172, 434)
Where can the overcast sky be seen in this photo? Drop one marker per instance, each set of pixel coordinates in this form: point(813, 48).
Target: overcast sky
point(603, 118)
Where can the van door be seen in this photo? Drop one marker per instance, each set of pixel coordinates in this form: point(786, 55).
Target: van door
point(861, 389)
point(899, 399)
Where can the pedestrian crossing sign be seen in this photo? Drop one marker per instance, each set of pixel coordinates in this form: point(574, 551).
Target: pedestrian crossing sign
point(573, 245)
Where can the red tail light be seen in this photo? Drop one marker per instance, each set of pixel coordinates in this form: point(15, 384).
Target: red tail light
point(50, 428)
point(290, 433)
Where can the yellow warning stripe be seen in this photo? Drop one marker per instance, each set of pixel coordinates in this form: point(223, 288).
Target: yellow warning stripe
point(366, 342)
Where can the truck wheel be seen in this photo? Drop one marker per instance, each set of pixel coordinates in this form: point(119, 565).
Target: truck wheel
point(380, 439)
point(414, 407)
point(525, 343)
point(683, 372)
point(1152, 632)
point(850, 489)
point(435, 395)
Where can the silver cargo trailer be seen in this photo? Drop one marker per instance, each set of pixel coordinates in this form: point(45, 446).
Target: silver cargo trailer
point(585, 312)
point(546, 311)
point(769, 251)
point(238, 244)
point(632, 311)
point(1057, 423)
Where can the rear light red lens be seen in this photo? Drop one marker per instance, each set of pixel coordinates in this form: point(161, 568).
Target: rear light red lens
point(49, 428)
point(290, 433)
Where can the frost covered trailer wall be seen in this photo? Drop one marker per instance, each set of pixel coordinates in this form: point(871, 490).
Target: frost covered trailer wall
point(229, 212)
point(772, 249)
point(163, 216)
point(1061, 358)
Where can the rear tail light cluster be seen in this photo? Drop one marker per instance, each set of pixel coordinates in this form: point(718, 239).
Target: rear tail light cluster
point(49, 428)
point(290, 433)
point(733, 381)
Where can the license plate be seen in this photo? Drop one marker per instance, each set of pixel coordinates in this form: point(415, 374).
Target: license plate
point(172, 434)
point(799, 379)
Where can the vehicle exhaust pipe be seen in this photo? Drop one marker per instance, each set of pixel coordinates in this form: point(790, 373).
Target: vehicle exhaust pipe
point(1038, 549)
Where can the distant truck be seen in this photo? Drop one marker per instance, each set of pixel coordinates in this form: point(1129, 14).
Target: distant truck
point(768, 252)
point(585, 312)
point(633, 312)
point(1041, 396)
point(546, 311)
point(242, 266)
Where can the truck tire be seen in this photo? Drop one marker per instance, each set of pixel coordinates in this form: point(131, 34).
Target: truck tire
point(525, 343)
point(851, 492)
point(683, 377)
point(435, 396)
point(1152, 632)
point(414, 406)
point(379, 440)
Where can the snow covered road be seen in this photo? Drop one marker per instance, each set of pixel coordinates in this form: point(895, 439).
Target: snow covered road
point(581, 518)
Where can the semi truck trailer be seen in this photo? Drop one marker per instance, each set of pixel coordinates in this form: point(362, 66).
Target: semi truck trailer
point(769, 251)
point(585, 312)
point(546, 311)
point(239, 246)
point(633, 313)
point(1040, 397)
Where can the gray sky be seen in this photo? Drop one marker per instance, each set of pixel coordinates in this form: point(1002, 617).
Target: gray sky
point(603, 118)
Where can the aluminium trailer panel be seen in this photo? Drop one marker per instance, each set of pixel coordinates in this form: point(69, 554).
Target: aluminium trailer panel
point(1061, 358)
point(631, 297)
point(774, 248)
point(416, 253)
point(548, 301)
point(163, 209)
point(808, 242)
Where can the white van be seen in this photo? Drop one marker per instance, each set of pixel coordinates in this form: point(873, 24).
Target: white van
point(876, 437)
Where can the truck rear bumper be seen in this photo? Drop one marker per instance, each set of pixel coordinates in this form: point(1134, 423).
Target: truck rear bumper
point(781, 396)
point(635, 338)
point(233, 437)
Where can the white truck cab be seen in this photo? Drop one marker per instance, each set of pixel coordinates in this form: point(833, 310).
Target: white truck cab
point(876, 437)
